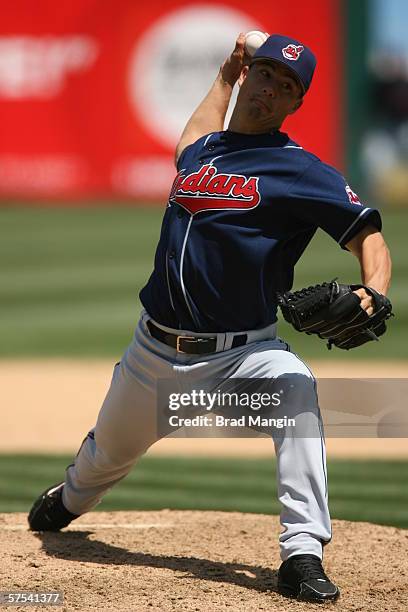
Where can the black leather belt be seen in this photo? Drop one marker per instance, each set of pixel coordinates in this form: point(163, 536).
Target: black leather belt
point(191, 345)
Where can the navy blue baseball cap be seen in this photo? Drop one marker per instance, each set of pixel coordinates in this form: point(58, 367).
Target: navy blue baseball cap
point(290, 52)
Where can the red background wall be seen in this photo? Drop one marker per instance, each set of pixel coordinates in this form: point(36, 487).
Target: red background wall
point(72, 132)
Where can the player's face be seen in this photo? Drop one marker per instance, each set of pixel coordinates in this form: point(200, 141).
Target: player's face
point(267, 95)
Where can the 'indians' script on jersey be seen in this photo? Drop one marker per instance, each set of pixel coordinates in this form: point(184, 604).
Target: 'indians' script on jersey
point(207, 189)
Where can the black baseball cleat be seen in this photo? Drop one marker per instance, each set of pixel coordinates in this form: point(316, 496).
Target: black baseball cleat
point(303, 577)
point(48, 512)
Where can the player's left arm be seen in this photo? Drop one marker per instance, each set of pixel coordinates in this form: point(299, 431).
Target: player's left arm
point(209, 116)
point(375, 263)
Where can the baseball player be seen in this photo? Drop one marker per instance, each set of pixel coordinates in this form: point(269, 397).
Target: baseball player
point(243, 207)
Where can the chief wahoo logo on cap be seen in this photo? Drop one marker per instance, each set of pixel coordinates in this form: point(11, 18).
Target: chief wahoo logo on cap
point(292, 52)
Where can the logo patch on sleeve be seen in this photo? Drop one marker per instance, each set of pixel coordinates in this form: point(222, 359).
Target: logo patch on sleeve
point(353, 197)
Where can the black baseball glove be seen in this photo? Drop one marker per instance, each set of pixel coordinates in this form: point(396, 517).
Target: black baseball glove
point(333, 312)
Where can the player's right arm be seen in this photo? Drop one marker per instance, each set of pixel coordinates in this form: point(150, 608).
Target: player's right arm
point(375, 262)
point(210, 114)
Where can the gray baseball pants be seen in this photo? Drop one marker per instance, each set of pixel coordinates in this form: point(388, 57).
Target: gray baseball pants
point(127, 426)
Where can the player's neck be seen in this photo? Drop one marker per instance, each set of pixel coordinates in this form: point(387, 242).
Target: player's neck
point(244, 125)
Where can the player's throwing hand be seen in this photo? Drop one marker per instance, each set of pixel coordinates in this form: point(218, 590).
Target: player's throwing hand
point(232, 67)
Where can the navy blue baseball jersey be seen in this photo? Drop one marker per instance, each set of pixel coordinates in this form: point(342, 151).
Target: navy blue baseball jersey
point(241, 212)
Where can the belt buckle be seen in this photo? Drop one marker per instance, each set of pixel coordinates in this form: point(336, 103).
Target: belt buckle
point(179, 338)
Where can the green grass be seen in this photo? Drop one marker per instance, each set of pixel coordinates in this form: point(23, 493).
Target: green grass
point(371, 490)
point(70, 278)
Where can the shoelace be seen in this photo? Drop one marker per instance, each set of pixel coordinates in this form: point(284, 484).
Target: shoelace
point(310, 568)
point(54, 497)
point(54, 502)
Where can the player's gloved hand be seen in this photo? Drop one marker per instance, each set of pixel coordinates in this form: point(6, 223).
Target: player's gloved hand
point(232, 67)
point(334, 312)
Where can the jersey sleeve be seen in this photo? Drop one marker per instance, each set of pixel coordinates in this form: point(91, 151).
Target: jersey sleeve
point(321, 197)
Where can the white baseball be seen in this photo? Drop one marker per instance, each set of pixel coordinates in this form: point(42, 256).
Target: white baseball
point(253, 40)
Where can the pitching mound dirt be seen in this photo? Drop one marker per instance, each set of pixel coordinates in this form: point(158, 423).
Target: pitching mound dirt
point(194, 561)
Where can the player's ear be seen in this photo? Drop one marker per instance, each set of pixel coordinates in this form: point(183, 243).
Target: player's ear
point(296, 106)
point(243, 75)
